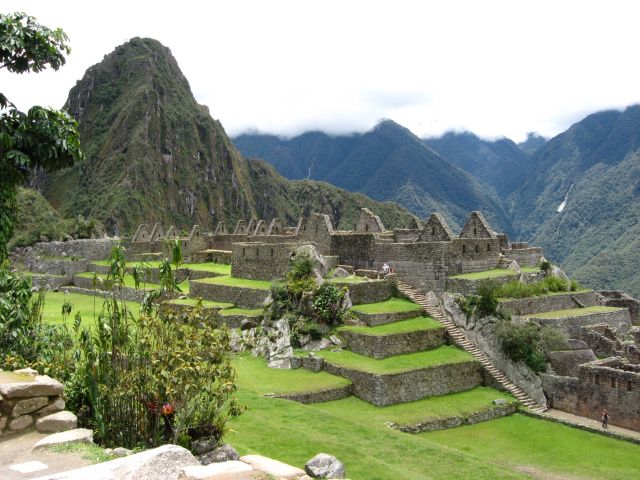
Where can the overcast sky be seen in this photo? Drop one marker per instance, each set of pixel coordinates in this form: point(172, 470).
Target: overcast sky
point(496, 68)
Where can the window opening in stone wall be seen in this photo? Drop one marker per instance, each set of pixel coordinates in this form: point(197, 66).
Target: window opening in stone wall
point(257, 252)
point(243, 252)
point(316, 228)
point(596, 379)
point(366, 228)
point(272, 252)
point(475, 231)
point(488, 247)
point(613, 382)
point(629, 388)
point(464, 249)
point(477, 249)
point(433, 230)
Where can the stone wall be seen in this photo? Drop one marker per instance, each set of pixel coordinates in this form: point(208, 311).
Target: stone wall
point(496, 411)
point(214, 256)
point(572, 326)
point(548, 303)
point(374, 319)
point(616, 298)
point(240, 297)
point(261, 261)
point(319, 396)
point(26, 399)
point(383, 346)
point(526, 257)
point(610, 383)
point(85, 285)
point(382, 390)
point(566, 362)
point(470, 287)
point(369, 292)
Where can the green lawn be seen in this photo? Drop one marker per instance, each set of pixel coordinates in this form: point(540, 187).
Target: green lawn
point(35, 274)
point(81, 303)
point(237, 282)
point(574, 312)
point(220, 268)
point(205, 303)
point(355, 432)
point(404, 326)
point(398, 363)
point(537, 446)
point(394, 305)
point(249, 312)
point(549, 294)
point(350, 279)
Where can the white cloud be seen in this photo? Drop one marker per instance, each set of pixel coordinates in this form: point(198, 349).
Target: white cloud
point(497, 68)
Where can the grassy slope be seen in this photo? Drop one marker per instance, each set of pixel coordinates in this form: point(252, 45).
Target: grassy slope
point(205, 303)
point(495, 273)
point(404, 326)
point(355, 432)
point(398, 363)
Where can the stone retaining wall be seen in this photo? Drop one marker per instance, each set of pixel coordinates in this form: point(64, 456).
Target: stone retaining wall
point(85, 285)
point(431, 425)
point(382, 390)
point(48, 281)
point(153, 274)
point(526, 257)
point(239, 296)
point(374, 319)
point(531, 305)
point(618, 319)
point(320, 396)
point(470, 287)
point(369, 292)
point(382, 346)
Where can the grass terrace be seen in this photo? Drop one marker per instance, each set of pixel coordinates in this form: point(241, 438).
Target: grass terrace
point(350, 279)
point(205, 303)
point(86, 305)
point(399, 363)
point(219, 268)
point(403, 326)
point(515, 447)
point(248, 312)
point(574, 312)
point(393, 305)
point(36, 274)
point(494, 273)
point(230, 281)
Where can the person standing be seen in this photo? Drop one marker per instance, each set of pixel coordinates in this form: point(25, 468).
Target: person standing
point(605, 419)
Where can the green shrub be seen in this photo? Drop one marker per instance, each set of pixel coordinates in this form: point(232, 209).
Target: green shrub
point(327, 303)
point(545, 265)
point(516, 289)
point(528, 343)
point(487, 301)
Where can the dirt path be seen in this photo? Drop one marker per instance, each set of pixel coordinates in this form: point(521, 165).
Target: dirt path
point(18, 461)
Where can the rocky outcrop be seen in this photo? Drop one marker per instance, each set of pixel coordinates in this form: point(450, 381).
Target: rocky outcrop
point(324, 465)
point(481, 332)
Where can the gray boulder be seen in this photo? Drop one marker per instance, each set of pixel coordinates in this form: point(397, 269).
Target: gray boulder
point(340, 272)
point(557, 272)
point(57, 422)
point(224, 453)
point(324, 465)
point(314, 255)
point(78, 435)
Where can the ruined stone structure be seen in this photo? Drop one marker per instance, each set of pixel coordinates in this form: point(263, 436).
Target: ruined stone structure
point(422, 256)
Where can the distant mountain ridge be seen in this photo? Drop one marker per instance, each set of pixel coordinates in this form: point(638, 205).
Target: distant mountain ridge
point(154, 155)
point(386, 163)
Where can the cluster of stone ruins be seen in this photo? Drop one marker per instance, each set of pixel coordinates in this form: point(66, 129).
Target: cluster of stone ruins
point(428, 257)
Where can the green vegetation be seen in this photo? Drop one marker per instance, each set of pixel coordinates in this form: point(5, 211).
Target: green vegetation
point(398, 363)
point(37, 220)
point(88, 451)
point(542, 449)
point(529, 343)
point(574, 312)
point(42, 137)
point(221, 268)
point(103, 283)
point(403, 326)
point(230, 281)
point(548, 285)
point(356, 432)
point(394, 305)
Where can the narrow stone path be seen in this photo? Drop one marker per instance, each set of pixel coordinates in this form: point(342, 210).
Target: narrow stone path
point(459, 338)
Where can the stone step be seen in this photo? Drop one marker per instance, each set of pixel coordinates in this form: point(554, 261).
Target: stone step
point(388, 311)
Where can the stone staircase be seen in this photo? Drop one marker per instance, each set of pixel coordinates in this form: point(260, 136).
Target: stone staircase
point(458, 337)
